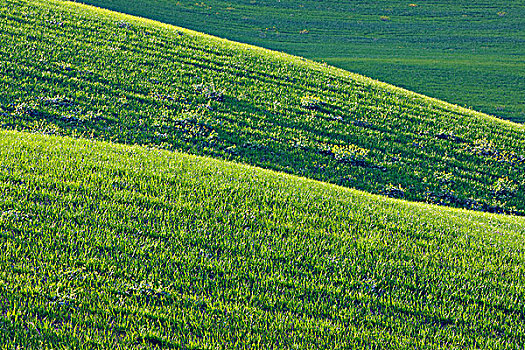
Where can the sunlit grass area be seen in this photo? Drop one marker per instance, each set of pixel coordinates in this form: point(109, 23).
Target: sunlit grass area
point(109, 246)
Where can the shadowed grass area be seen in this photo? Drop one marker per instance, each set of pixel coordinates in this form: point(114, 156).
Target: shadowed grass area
point(68, 69)
point(111, 246)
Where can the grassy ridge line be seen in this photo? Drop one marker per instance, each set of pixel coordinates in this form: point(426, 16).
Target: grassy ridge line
point(106, 77)
point(114, 246)
point(301, 61)
point(477, 37)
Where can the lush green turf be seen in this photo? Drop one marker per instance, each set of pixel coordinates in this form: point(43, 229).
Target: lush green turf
point(69, 70)
point(107, 246)
point(111, 246)
point(465, 52)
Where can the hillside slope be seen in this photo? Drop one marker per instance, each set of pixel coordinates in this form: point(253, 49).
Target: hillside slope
point(465, 52)
point(68, 69)
point(118, 247)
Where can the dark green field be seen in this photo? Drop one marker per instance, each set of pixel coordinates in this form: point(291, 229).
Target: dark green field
point(113, 236)
point(465, 52)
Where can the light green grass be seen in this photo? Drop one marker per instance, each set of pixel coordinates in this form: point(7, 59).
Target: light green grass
point(68, 69)
point(465, 52)
point(111, 246)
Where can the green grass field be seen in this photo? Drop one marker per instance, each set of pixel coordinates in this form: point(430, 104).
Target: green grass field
point(109, 246)
point(67, 70)
point(114, 236)
point(464, 52)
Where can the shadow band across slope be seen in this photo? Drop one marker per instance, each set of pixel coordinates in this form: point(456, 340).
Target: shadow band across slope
point(112, 246)
point(69, 69)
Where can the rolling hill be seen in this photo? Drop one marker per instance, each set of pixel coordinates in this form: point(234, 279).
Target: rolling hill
point(112, 238)
point(97, 74)
point(464, 52)
point(111, 246)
